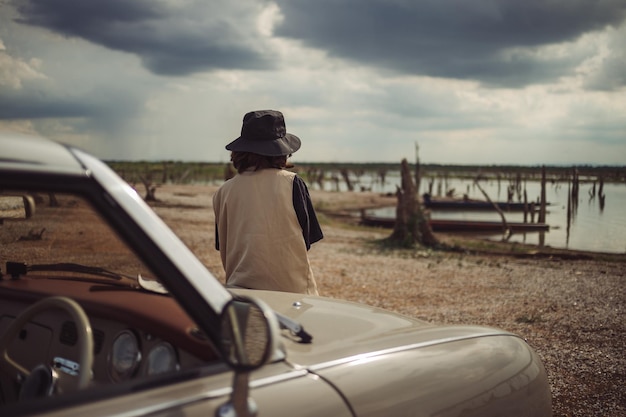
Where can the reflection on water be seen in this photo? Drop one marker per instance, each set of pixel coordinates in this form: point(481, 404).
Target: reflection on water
point(584, 216)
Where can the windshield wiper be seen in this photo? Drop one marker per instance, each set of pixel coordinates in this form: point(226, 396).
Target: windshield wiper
point(15, 269)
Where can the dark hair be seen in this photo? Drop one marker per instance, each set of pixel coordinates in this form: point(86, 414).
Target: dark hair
point(243, 161)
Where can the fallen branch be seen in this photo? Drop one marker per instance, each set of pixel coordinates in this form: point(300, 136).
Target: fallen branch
point(506, 230)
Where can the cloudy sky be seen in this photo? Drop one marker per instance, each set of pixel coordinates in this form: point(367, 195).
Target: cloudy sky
point(471, 82)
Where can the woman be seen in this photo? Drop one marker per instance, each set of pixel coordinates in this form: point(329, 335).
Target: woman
point(264, 218)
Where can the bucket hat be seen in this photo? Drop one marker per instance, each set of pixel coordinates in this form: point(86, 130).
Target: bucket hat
point(263, 132)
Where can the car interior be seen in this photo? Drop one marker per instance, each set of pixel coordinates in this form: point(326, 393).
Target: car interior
point(72, 293)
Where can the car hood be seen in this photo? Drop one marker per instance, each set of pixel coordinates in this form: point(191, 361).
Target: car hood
point(342, 331)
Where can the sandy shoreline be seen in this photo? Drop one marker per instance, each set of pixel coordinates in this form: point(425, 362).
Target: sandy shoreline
point(569, 308)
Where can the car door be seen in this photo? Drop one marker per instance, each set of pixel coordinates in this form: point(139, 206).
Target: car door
point(275, 390)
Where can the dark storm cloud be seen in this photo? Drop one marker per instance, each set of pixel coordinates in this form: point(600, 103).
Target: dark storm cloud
point(38, 100)
point(487, 40)
point(170, 40)
point(106, 111)
point(492, 41)
point(20, 106)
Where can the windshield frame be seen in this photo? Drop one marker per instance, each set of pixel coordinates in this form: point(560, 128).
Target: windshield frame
point(115, 203)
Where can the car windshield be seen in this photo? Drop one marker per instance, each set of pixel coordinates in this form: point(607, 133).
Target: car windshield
point(79, 304)
point(64, 235)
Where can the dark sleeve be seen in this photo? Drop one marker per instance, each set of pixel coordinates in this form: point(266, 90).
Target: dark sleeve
point(311, 230)
point(217, 239)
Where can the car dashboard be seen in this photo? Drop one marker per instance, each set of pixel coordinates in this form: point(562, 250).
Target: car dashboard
point(135, 333)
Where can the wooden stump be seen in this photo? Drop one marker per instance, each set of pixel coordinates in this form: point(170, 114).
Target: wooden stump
point(411, 226)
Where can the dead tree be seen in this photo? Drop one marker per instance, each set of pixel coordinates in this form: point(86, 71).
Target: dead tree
point(53, 200)
point(229, 171)
point(411, 227)
point(335, 180)
point(346, 177)
point(542, 207)
point(319, 179)
point(418, 169)
point(316, 176)
point(573, 196)
point(382, 176)
point(601, 194)
point(149, 186)
point(358, 173)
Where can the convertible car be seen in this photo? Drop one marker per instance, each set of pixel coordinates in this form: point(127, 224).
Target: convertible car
point(104, 311)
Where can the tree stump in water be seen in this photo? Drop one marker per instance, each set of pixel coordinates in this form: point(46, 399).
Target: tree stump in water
point(412, 226)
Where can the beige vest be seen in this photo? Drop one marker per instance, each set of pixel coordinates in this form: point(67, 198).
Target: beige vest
point(260, 239)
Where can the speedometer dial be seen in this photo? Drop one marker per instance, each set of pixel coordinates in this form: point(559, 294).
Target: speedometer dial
point(125, 355)
point(162, 358)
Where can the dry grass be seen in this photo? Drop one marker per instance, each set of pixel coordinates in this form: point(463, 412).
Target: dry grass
point(571, 309)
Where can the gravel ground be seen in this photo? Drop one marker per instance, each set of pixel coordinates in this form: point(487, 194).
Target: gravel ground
point(570, 307)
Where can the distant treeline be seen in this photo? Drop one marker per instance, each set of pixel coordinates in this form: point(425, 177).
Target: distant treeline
point(163, 172)
point(556, 173)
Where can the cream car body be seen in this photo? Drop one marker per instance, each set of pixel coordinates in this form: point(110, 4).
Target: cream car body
point(298, 355)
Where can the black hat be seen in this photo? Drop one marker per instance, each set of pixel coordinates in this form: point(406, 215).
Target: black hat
point(263, 132)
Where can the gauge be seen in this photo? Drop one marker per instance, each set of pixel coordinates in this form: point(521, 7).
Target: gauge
point(125, 355)
point(162, 358)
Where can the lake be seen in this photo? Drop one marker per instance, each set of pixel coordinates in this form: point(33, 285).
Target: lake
point(591, 227)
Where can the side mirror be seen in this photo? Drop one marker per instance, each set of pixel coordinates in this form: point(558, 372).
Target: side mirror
point(16, 207)
point(249, 338)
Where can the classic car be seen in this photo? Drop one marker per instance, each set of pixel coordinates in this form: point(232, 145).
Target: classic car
point(105, 311)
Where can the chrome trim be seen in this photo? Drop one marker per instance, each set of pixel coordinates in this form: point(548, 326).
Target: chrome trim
point(216, 393)
point(65, 365)
point(364, 356)
point(300, 372)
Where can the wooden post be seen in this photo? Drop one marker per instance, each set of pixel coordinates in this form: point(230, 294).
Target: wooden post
point(542, 207)
point(525, 206)
point(601, 194)
point(418, 173)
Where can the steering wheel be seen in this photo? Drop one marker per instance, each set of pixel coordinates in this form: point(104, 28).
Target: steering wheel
point(85, 337)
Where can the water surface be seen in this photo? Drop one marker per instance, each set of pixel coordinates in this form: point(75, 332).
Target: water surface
point(589, 226)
